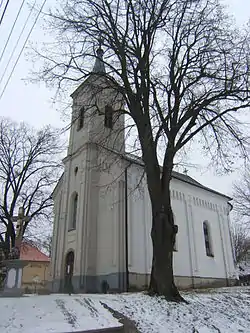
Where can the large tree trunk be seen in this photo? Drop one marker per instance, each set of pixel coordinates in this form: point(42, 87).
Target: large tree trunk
point(163, 235)
point(163, 231)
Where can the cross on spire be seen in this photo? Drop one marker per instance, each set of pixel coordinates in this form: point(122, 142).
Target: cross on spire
point(99, 67)
point(100, 42)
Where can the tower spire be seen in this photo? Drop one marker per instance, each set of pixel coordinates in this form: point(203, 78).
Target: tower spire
point(99, 67)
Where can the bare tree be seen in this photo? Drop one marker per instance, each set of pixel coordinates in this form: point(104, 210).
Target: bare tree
point(29, 168)
point(182, 69)
point(242, 197)
point(241, 241)
point(44, 244)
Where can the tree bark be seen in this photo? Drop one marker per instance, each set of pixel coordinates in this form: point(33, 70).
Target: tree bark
point(163, 235)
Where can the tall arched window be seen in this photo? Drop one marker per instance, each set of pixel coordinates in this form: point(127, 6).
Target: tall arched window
point(80, 119)
point(108, 118)
point(73, 215)
point(207, 239)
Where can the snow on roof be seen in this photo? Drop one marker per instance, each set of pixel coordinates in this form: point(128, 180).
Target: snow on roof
point(31, 253)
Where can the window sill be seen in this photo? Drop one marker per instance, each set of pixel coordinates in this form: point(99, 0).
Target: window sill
point(69, 230)
point(210, 255)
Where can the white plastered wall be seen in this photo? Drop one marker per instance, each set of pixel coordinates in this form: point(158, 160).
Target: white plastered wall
point(110, 226)
point(191, 206)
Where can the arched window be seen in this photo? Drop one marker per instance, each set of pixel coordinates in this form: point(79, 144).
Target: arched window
point(80, 119)
point(108, 120)
point(73, 215)
point(207, 239)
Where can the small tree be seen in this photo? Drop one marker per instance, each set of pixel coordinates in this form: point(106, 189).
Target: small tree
point(29, 168)
point(183, 71)
point(241, 241)
point(242, 197)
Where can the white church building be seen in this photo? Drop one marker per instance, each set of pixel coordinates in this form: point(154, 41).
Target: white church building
point(102, 223)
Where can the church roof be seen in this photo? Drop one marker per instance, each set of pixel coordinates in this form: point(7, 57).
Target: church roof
point(178, 175)
point(186, 178)
point(190, 180)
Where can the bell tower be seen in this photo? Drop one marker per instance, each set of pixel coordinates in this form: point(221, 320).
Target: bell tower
point(97, 111)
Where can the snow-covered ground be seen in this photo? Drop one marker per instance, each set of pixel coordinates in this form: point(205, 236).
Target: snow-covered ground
point(53, 313)
point(221, 310)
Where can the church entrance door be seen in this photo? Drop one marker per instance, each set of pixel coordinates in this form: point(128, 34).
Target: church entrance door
point(69, 269)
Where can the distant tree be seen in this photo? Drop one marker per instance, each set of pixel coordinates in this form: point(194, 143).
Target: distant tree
point(46, 245)
point(182, 69)
point(29, 168)
point(241, 241)
point(242, 197)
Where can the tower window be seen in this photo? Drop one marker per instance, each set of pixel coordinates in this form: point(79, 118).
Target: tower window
point(108, 121)
point(73, 215)
point(207, 239)
point(80, 119)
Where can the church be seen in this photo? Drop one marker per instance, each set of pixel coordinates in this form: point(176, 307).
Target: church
point(102, 223)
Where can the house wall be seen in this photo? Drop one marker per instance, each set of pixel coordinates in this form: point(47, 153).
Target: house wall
point(37, 269)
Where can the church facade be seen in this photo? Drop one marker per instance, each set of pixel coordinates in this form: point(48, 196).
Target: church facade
point(102, 225)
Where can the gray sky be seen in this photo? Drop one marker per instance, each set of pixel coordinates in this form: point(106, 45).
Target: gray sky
point(32, 103)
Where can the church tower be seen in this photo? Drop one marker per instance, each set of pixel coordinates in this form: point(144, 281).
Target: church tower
point(97, 115)
point(88, 247)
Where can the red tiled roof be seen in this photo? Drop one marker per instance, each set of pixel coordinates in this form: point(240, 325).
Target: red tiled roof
point(31, 253)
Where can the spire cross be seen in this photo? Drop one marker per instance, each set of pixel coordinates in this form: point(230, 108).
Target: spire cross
point(99, 65)
point(100, 42)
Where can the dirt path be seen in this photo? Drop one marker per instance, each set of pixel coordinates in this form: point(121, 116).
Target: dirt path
point(128, 325)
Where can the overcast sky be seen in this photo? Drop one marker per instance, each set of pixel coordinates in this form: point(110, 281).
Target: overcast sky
point(32, 103)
